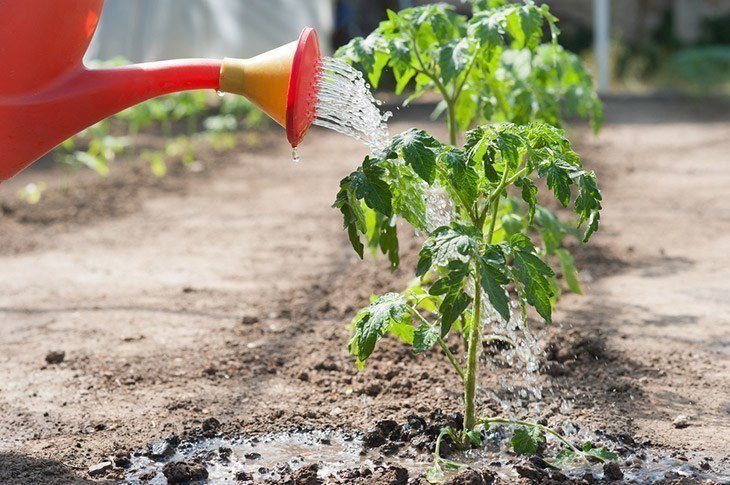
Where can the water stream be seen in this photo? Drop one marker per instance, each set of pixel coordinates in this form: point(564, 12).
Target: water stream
point(346, 105)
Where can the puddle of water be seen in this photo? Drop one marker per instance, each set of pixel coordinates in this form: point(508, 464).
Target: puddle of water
point(272, 456)
point(261, 456)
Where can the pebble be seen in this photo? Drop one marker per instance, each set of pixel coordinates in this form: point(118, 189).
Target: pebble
point(55, 356)
point(249, 319)
point(100, 468)
point(681, 421)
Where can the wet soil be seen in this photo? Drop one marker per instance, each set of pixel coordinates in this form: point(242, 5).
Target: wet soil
point(227, 294)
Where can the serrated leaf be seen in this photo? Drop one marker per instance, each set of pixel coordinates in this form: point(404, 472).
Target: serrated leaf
point(529, 195)
point(368, 185)
point(451, 308)
point(532, 273)
point(492, 277)
point(424, 338)
point(453, 58)
point(372, 323)
point(446, 243)
point(526, 440)
point(461, 176)
point(416, 149)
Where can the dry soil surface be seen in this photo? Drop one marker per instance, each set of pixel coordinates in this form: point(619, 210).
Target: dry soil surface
point(227, 295)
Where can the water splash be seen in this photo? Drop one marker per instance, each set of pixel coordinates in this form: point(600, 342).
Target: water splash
point(346, 105)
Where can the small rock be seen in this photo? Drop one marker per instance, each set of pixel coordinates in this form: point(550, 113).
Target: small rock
point(249, 319)
point(373, 438)
point(55, 356)
point(393, 475)
point(611, 471)
point(243, 476)
point(681, 421)
point(252, 456)
point(469, 476)
point(306, 475)
point(211, 424)
point(179, 472)
point(100, 468)
point(304, 377)
point(161, 450)
point(225, 453)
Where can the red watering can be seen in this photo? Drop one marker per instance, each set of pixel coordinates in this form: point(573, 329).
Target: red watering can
point(47, 95)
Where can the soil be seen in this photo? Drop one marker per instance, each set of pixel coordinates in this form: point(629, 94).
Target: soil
point(218, 302)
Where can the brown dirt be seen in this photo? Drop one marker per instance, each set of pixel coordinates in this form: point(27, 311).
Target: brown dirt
point(227, 295)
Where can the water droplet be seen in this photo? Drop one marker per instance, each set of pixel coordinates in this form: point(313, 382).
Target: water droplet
point(295, 155)
point(220, 93)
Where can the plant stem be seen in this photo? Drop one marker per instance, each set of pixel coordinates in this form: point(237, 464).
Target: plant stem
point(453, 128)
point(441, 342)
point(472, 366)
point(451, 358)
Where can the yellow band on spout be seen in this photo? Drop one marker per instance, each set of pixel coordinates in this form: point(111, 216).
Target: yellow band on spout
point(233, 72)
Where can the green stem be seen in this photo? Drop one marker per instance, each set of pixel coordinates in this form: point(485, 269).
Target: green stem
point(472, 366)
point(453, 128)
point(451, 358)
point(441, 343)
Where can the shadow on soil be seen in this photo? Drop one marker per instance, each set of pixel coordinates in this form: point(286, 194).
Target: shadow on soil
point(25, 469)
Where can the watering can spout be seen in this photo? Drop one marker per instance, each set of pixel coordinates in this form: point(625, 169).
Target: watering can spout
point(47, 95)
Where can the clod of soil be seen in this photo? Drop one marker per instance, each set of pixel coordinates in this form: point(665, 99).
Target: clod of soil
point(392, 475)
point(611, 471)
point(471, 476)
point(179, 472)
point(55, 356)
point(306, 475)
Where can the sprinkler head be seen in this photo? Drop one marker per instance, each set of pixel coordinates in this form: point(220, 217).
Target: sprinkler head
point(282, 82)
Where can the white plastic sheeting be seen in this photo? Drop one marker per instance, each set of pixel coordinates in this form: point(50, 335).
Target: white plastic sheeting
point(150, 30)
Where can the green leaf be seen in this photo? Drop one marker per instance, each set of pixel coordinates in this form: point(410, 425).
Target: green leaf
point(389, 242)
point(367, 183)
point(492, 278)
point(416, 149)
point(461, 176)
point(424, 338)
point(588, 203)
point(526, 440)
point(569, 272)
point(565, 457)
point(372, 323)
point(453, 58)
point(529, 195)
point(524, 24)
point(550, 228)
point(601, 454)
point(558, 174)
point(533, 275)
point(451, 308)
point(445, 244)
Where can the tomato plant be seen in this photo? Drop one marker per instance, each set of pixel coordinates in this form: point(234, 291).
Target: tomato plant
point(472, 268)
point(494, 254)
